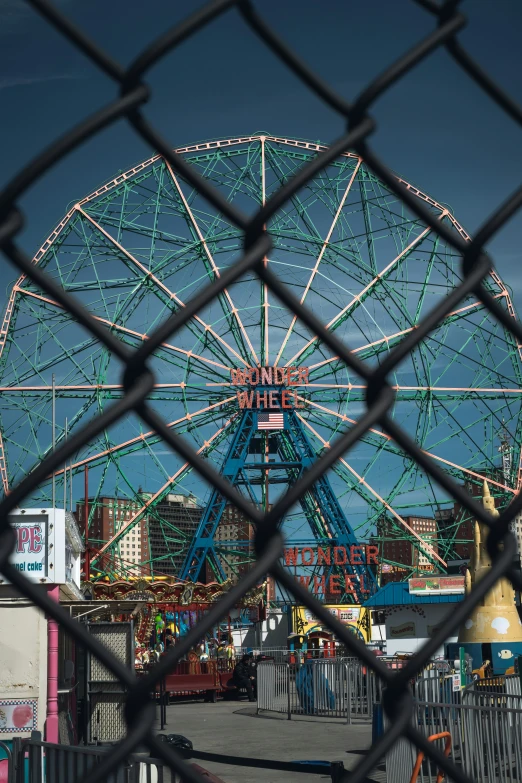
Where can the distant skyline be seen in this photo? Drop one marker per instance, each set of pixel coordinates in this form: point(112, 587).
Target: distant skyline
point(435, 128)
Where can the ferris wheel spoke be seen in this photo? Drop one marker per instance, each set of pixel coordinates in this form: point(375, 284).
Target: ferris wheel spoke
point(232, 309)
point(265, 305)
point(110, 450)
point(424, 546)
point(30, 447)
point(207, 328)
point(94, 266)
point(45, 388)
point(466, 430)
point(53, 335)
point(470, 391)
point(271, 154)
point(360, 297)
point(319, 258)
point(156, 497)
point(389, 339)
point(133, 333)
point(384, 436)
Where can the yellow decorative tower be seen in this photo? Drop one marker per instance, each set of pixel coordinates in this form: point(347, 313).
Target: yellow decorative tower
point(493, 631)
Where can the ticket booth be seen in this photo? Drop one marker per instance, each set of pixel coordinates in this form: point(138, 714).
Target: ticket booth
point(320, 644)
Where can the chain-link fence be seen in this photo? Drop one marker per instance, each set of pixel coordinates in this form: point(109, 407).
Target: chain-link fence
point(138, 379)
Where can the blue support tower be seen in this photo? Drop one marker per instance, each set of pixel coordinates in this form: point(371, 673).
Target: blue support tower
point(320, 506)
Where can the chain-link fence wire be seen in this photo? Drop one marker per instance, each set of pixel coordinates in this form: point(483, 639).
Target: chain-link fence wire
point(138, 379)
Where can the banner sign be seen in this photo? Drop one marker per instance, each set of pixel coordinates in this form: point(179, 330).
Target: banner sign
point(436, 585)
point(350, 615)
point(30, 554)
point(404, 631)
point(18, 716)
point(346, 613)
point(273, 399)
point(48, 547)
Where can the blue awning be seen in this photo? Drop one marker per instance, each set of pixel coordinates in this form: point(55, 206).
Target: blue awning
point(397, 594)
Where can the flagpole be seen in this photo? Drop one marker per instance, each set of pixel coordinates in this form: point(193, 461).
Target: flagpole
point(53, 420)
point(267, 460)
point(65, 471)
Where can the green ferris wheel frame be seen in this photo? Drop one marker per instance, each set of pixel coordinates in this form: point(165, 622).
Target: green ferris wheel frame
point(355, 255)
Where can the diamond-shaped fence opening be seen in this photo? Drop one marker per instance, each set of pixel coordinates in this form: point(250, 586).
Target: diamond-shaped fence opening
point(138, 378)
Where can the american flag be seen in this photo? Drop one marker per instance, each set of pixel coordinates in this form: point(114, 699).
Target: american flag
point(270, 421)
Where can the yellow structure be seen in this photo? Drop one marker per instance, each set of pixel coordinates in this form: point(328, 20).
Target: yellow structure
point(493, 631)
point(356, 618)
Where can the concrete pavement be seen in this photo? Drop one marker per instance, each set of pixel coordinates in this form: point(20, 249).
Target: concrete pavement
point(234, 728)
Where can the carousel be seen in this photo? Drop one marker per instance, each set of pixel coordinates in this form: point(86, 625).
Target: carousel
point(163, 612)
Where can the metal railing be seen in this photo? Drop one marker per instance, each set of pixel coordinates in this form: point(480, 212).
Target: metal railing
point(283, 654)
point(279, 654)
point(341, 687)
point(486, 738)
point(328, 688)
point(34, 761)
point(131, 94)
point(503, 684)
point(513, 685)
point(437, 686)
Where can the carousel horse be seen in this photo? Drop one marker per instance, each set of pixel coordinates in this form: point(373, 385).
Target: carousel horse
point(193, 661)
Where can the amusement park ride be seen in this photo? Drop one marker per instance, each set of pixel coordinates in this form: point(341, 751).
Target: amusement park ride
point(245, 383)
point(292, 454)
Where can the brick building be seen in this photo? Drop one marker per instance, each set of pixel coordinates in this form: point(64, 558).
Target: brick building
point(426, 528)
point(396, 547)
point(172, 526)
point(461, 523)
point(234, 527)
point(131, 555)
point(455, 533)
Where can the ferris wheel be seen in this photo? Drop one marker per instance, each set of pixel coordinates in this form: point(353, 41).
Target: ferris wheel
point(142, 245)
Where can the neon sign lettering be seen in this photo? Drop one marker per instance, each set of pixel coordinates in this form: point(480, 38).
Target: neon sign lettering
point(269, 399)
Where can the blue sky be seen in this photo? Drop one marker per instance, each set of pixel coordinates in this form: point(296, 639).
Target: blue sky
point(435, 127)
